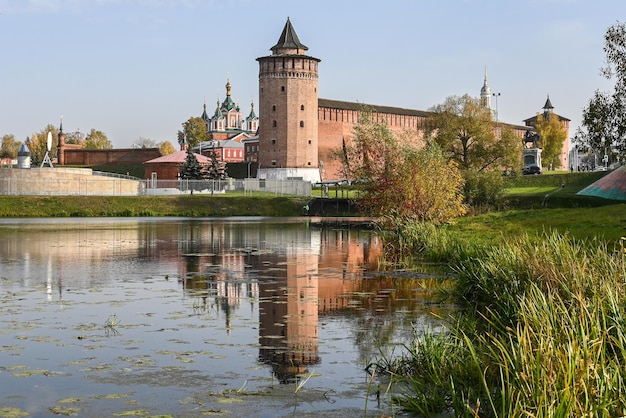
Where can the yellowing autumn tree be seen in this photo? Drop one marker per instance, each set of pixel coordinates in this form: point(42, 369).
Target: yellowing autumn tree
point(466, 132)
point(166, 148)
point(97, 140)
point(9, 147)
point(398, 179)
point(38, 142)
point(552, 134)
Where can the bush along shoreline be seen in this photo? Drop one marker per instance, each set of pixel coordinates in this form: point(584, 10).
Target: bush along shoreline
point(540, 329)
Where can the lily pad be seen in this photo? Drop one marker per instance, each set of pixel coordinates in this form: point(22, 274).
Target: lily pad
point(8, 412)
point(61, 410)
point(229, 400)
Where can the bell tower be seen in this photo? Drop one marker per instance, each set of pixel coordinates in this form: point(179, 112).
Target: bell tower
point(288, 107)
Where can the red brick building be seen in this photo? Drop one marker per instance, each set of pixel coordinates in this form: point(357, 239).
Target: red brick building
point(300, 133)
point(167, 167)
point(288, 128)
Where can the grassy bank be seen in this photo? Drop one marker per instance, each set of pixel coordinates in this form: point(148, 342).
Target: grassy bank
point(539, 329)
point(194, 205)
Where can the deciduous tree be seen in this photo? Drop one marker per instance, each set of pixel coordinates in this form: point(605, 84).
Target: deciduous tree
point(74, 138)
point(10, 146)
point(398, 178)
point(194, 131)
point(604, 119)
point(97, 140)
point(166, 148)
point(466, 132)
point(552, 134)
point(37, 144)
point(142, 142)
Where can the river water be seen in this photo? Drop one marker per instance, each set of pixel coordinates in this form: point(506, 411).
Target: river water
point(239, 317)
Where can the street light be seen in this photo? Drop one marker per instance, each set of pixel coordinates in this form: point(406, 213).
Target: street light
point(496, 95)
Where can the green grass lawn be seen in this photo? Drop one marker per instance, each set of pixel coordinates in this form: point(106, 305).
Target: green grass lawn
point(523, 211)
point(187, 205)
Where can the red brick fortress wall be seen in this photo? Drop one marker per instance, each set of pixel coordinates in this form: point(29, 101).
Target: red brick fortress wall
point(109, 156)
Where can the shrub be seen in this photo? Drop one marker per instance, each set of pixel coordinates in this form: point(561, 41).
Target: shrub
point(483, 188)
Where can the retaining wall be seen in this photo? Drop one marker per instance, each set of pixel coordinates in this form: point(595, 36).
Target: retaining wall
point(65, 181)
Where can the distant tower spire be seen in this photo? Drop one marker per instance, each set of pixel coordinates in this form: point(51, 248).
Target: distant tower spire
point(485, 93)
point(61, 144)
point(228, 87)
point(547, 108)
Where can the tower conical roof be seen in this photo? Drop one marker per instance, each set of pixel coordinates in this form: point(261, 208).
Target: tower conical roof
point(252, 114)
point(548, 105)
point(205, 116)
point(288, 40)
point(23, 151)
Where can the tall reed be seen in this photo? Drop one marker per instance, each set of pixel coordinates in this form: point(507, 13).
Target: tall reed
point(541, 332)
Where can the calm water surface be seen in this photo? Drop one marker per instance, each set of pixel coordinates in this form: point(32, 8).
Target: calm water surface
point(194, 317)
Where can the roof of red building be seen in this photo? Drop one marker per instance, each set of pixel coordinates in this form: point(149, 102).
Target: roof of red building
point(178, 157)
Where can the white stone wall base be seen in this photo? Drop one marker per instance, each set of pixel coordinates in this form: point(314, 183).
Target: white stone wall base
point(307, 174)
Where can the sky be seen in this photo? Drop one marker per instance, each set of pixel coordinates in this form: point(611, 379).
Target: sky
point(138, 69)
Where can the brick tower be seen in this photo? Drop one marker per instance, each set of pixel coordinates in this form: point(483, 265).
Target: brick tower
point(288, 107)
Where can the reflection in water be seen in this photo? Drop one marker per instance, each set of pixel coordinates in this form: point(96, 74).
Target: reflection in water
point(299, 272)
point(298, 285)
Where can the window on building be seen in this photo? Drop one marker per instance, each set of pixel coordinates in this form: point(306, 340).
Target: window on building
point(273, 108)
point(273, 162)
point(301, 107)
point(274, 124)
point(273, 142)
point(282, 88)
point(309, 142)
point(302, 124)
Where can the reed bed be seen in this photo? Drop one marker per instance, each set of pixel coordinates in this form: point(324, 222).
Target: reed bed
point(540, 331)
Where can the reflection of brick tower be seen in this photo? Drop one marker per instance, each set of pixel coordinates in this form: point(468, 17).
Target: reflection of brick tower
point(288, 306)
point(288, 132)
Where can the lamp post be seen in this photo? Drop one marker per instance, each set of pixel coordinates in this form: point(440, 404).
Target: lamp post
point(496, 95)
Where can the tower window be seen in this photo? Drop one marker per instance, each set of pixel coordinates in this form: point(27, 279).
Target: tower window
point(273, 142)
point(274, 162)
point(301, 107)
point(309, 162)
point(282, 88)
point(309, 142)
point(273, 108)
point(274, 124)
point(302, 124)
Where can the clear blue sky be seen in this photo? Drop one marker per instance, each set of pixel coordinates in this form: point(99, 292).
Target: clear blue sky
point(140, 68)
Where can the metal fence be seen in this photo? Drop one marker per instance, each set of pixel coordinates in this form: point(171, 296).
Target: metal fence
point(245, 186)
